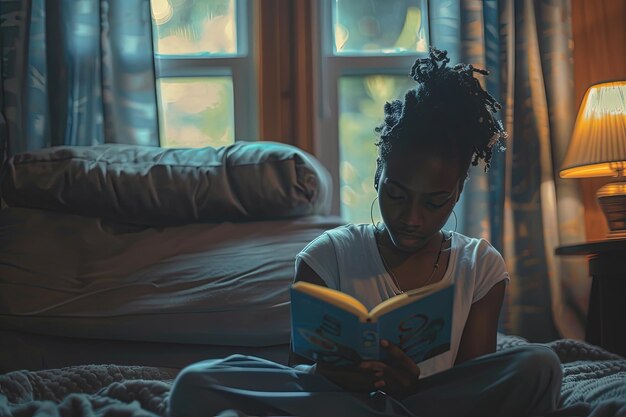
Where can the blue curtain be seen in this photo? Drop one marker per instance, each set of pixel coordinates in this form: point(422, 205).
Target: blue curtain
point(77, 72)
point(521, 205)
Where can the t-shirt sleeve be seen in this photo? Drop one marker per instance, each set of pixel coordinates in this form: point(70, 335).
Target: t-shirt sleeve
point(490, 270)
point(321, 256)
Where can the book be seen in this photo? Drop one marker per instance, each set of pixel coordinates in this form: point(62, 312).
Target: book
point(331, 326)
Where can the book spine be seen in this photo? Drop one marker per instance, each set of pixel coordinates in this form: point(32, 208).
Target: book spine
point(370, 343)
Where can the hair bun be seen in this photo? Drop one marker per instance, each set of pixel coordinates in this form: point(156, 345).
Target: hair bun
point(425, 68)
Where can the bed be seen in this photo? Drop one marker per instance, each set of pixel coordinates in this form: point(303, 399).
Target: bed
point(71, 288)
point(119, 265)
point(157, 257)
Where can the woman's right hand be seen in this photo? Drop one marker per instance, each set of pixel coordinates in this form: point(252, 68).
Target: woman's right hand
point(355, 378)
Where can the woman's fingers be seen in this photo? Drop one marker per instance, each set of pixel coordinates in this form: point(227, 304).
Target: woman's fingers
point(397, 376)
point(359, 378)
point(400, 360)
point(401, 375)
point(397, 383)
point(373, 365)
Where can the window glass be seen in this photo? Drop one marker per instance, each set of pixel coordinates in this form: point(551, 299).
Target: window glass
point(196, 111)
point(379, 27)
point(361, 102)
point(194, 27)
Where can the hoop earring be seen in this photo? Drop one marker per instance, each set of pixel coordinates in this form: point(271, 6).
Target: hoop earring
point(372, 215)
point(455, 221)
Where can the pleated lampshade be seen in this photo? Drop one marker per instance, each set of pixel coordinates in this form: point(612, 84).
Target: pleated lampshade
point(598, 145)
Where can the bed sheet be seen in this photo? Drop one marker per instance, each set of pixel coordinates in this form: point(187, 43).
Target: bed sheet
point(212, 284)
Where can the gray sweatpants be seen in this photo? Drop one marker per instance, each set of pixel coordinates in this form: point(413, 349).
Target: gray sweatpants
point(521, 381)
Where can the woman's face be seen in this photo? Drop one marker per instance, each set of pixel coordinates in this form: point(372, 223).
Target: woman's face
point(416, 194)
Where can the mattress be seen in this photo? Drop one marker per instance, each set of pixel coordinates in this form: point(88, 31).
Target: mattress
point(222, 284)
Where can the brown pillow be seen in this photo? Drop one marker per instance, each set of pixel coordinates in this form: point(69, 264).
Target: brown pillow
point(245, 181)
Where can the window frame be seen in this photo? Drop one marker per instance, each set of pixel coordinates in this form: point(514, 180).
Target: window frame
point(242, 67)
point(330, 68)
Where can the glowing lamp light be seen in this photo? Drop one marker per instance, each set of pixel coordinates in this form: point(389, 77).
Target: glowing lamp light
point(598, 149)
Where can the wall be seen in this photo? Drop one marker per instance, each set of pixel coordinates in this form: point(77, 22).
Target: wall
point(599, 31)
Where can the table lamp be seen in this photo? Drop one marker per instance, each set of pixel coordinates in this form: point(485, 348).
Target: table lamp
point(598, 149)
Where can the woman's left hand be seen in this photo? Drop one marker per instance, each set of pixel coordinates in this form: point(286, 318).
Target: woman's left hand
point(398, 376)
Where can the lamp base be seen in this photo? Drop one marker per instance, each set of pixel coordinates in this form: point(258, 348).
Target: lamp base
point(612, 200)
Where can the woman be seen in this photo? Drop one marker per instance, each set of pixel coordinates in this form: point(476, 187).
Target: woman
point(427, 144)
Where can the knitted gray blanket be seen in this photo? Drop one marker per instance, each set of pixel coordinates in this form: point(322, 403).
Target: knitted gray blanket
point(86, 391)
point(594, 380)
point(594, 385)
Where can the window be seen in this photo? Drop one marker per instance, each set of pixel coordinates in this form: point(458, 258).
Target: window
point(205, 72)
point(325, 67)
point(366, 49)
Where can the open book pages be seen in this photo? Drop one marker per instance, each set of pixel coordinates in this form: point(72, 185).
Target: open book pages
point(332, 326)
point(354, 306)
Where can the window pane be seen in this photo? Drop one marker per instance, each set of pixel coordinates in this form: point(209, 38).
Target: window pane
point(361, 102)
point(196, 112)
point(194, 27)
point(379, 26)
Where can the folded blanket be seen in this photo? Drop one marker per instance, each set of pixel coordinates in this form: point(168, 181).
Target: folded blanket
point(594, 385)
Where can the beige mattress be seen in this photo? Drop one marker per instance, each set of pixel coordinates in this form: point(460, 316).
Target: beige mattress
point(220, 284)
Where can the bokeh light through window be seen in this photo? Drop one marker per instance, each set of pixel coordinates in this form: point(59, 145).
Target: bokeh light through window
point(194, 27)
point(196, 112)
point(361, 103)
point(379, 27)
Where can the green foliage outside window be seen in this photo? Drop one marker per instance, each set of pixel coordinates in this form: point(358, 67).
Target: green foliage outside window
point(198, 111)
point(361, 103)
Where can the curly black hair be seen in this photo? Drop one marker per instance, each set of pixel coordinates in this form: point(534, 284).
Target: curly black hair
point(447, 110)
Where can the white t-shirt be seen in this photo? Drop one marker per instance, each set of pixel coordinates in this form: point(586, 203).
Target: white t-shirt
point(348, 260)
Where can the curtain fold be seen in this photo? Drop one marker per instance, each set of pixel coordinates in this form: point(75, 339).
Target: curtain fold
point(77, 72)
point(564, 214)
point(521, 205)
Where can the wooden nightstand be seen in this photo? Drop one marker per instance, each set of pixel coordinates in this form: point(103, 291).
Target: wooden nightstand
point(606, 319)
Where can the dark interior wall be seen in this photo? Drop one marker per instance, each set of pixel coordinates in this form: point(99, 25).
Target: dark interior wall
point(599, 31)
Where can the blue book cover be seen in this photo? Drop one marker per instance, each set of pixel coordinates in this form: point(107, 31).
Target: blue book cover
point(331, 326)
